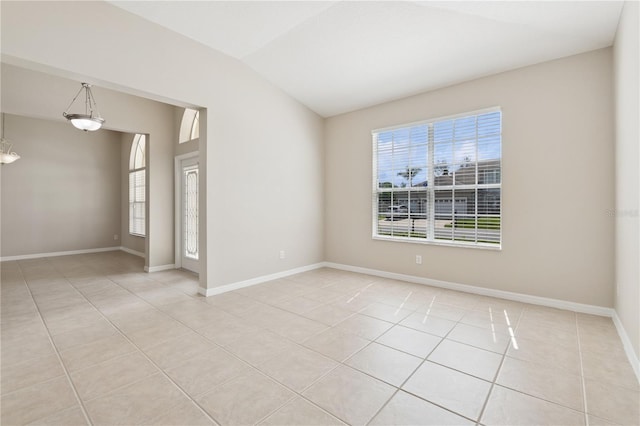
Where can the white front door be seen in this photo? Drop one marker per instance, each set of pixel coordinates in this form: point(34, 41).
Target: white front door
point(189, 240)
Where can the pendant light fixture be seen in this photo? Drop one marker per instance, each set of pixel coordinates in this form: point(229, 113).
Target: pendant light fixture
point(6, 155)
point(90, 120)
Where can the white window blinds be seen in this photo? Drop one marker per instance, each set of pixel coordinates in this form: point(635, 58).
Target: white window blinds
point(137, 186)
point(137, 202)
point(440, 181)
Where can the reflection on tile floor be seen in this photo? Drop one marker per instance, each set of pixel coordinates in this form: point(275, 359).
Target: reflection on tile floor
point(90, 339)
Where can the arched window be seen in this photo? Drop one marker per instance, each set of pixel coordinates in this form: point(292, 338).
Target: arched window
point(190, 126)
point(137, 186)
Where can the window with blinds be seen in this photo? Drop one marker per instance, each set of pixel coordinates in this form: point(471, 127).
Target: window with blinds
point(439, 181)
point(137, 186)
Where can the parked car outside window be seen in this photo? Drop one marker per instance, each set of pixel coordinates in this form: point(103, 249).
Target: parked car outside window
point(397, 212)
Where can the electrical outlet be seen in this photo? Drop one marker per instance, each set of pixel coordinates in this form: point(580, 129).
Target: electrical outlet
point(282, 254)
point(115, 237)
point(418, 259)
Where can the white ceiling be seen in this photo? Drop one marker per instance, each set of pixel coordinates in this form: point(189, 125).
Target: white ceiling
point(339, 56)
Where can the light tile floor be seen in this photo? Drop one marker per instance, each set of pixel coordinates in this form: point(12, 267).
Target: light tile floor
point(90, 339)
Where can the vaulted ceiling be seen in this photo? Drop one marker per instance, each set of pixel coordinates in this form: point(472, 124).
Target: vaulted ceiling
point(339, 56)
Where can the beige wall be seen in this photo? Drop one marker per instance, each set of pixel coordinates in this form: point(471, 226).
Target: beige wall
point(261, 151)
point(129, 241)
point(557, 190)
point(265, 175)
point(627, 216)
point(38, 94)
point(64, 193)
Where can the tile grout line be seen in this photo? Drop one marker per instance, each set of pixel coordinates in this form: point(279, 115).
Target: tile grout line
point(249, 365)
point(300, 394)
point(112, 324)
point(342, 363)
point(85, 413)
point(529, 394)
point(339, 363)
point(297, 393)
point(399, 388)
point(233, 355)
point(495, 377)
point(219, 346)
point(582, 379)
point(160, 370)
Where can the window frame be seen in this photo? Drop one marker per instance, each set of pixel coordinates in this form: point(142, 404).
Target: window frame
point(133, 172)
point(431, 189)
point(189, 126)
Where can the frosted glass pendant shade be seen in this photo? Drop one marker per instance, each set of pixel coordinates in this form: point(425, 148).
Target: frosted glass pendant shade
point(85, 122)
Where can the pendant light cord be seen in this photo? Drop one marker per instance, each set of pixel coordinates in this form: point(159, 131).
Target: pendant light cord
point(74, 99)
point(89, 101)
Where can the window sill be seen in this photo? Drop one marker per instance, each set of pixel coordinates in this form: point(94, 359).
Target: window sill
point(481, 246)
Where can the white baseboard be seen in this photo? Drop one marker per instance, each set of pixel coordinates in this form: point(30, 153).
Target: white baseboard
point(159, 268)
point(518, 297)
point(258, 280)
point(57, 253)
point(133, 252)
point(628, 347)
